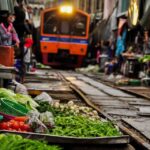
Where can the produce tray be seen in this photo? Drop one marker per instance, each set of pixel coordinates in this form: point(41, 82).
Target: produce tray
point(61, 140)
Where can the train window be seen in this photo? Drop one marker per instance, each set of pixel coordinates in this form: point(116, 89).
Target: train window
point(65, 27)
point(50, 22)
point(79, 25)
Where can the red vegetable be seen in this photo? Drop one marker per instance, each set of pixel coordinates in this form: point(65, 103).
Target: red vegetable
point(23, 119)
point(14, 125)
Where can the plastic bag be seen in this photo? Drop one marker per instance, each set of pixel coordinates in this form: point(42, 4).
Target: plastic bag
point(20, 88)
point(37, 125)
point(44, 97)
point(48, 119)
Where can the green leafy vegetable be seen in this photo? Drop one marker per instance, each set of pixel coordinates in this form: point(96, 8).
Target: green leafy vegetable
point(8, 94)
point(79, 126)
point(84, 123)
point(16, 142)
point(25, 100)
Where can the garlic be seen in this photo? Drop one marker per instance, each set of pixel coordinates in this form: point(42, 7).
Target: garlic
point(56, 104)
point(95, 112)
point(70, 103)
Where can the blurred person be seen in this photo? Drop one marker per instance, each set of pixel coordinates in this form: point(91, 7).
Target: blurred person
point(8, 35)
point(98, 52)
point(20, 19)
point(111, 66)
point(27, 52)
point(104, 57)
point(22, 28)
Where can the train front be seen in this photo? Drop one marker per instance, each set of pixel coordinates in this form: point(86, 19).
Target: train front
point(64, 36)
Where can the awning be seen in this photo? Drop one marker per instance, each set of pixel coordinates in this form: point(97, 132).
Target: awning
point(104, 28)
point(145, 21)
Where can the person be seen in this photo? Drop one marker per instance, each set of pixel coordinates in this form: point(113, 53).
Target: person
point(22, 29)
point(111, 66)
point(98, 52)
point(27, 52)
point(8, 35)
point(19, 23)
point(104, 54)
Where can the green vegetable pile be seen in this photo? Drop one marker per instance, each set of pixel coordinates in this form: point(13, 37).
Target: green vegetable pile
point(25, 100)
point(69, 123)
point(16, 142)
point(79, 126)
point(144, 59)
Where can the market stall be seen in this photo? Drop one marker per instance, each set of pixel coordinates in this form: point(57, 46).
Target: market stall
point(65, 124)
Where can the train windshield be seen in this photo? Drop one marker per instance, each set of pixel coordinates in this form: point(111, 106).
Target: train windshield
point(79, 23)
point(50, 22)
point(55, 24)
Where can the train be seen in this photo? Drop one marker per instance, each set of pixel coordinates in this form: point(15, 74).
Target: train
point(64, 34)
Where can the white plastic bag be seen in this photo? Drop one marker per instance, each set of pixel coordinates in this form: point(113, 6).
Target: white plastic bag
point(20, 88)
point(36, 124)
point(44, 97)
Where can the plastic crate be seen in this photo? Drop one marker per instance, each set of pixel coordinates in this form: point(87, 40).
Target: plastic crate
point(134, 82)
point(7, 56)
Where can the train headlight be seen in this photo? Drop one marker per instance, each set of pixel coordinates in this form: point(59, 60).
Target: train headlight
point(66, 9)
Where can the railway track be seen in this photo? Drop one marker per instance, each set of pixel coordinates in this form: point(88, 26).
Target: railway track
point(129, 111)
point(112, 104)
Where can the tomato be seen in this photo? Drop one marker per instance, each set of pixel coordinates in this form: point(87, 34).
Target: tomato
point(9, 124)
point(4, 126)
point(15, 125)
point(21, 125)
point(19, 130)
point(26, 127)
point(12, 121)
point(0, 125)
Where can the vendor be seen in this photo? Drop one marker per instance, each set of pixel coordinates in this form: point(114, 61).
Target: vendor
point(8, 35)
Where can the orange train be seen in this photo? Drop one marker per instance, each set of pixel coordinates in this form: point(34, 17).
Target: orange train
point(64, 36)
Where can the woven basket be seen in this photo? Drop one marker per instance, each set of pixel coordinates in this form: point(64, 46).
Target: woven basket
point(12, 108)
